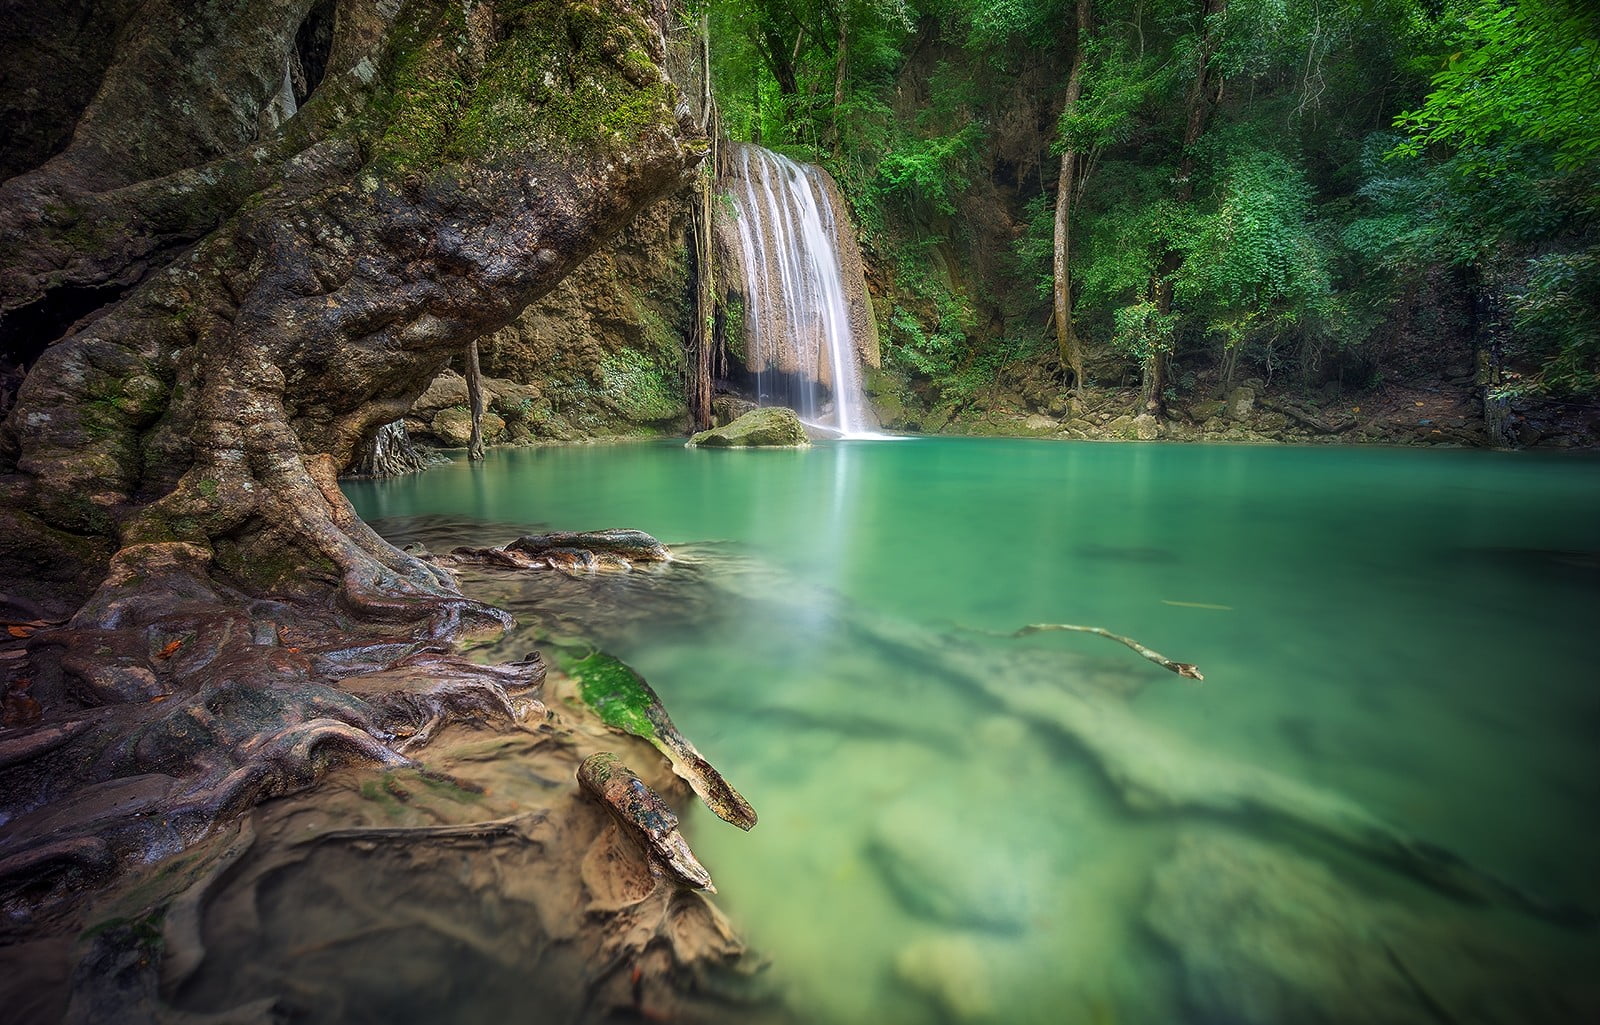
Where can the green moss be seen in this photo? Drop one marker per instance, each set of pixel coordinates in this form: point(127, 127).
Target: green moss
point(143, 931)
point(270, 568)
point(617, 694)
point(374, 791)
point(568, 78)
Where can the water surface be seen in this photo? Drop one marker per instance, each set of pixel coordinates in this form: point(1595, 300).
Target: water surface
point(1409, 630)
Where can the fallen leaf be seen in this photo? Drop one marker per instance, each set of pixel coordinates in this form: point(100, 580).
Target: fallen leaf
point(169, 649)
point(159, 698)
point(1197, 605)
point(13, 653)
point(19, 631)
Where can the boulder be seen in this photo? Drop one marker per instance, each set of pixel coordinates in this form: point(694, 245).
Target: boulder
point(453, 426)
point(1265, 935)
point(949, 873)
point(725, 409)
point(951, 973)
point(767, 427)
point(1241, 401)
point(1146, 427)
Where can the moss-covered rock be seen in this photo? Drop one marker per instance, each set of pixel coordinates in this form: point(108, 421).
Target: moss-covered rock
point(453, 426)
point(768, 427)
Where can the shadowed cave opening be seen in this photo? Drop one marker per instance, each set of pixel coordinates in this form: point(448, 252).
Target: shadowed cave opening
point(313, 44)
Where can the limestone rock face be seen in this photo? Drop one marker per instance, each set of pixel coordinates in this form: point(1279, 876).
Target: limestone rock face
point(768, 427)
point(604, 350)
point(725, 409)
point(453, 426)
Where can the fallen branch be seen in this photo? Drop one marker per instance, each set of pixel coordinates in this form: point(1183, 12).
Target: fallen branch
point(1187, 670)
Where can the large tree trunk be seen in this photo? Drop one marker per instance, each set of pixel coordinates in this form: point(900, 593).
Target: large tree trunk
point(217, 313)
point(1067, 339)
point(392, 221)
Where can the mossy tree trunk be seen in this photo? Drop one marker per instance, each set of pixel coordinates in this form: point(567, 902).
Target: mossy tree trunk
point(217, 309)
point(455, 161)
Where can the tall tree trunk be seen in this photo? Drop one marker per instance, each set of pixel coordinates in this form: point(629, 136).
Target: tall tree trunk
point(1067, 337)
point(1204, 93)
point(475, 402)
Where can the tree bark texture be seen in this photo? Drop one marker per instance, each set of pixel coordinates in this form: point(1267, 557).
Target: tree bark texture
point(390, 453)
point(456, 161)
point(475, 403)
point(216, 311)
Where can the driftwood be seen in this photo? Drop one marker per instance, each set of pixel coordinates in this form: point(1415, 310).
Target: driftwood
point(645, 818)
point(1187, 670)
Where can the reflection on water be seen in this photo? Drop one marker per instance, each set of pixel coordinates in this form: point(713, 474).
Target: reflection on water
point(1391, 634)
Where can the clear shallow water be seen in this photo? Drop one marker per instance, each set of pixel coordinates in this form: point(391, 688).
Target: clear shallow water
point(1410, 630)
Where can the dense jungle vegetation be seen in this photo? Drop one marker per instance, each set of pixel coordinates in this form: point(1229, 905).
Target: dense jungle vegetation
point(1234, 188)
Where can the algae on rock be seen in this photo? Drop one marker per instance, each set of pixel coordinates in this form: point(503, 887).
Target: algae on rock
point(766, 427)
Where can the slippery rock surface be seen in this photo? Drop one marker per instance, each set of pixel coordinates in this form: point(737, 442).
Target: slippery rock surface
point(767, 427)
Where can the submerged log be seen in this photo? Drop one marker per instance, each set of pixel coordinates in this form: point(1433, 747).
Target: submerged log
point(645, 818)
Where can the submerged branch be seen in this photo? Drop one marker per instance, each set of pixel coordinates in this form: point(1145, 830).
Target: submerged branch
point(1187, 670)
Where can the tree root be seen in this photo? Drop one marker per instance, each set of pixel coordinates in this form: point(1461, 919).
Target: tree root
point(644, 818)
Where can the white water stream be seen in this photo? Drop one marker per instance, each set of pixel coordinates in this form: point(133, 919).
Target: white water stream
point(797, 310)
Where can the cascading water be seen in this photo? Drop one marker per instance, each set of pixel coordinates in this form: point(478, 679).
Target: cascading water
point(802, 347)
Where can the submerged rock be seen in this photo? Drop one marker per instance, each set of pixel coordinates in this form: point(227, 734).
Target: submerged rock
point(950, 971)
point(768, 427)
point(573, 553)
point(1268, 936)
point(940, 872)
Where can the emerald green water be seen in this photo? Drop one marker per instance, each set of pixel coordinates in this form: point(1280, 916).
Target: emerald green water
point(1409, 630)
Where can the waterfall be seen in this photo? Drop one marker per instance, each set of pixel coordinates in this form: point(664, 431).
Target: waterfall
point(802, 322)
